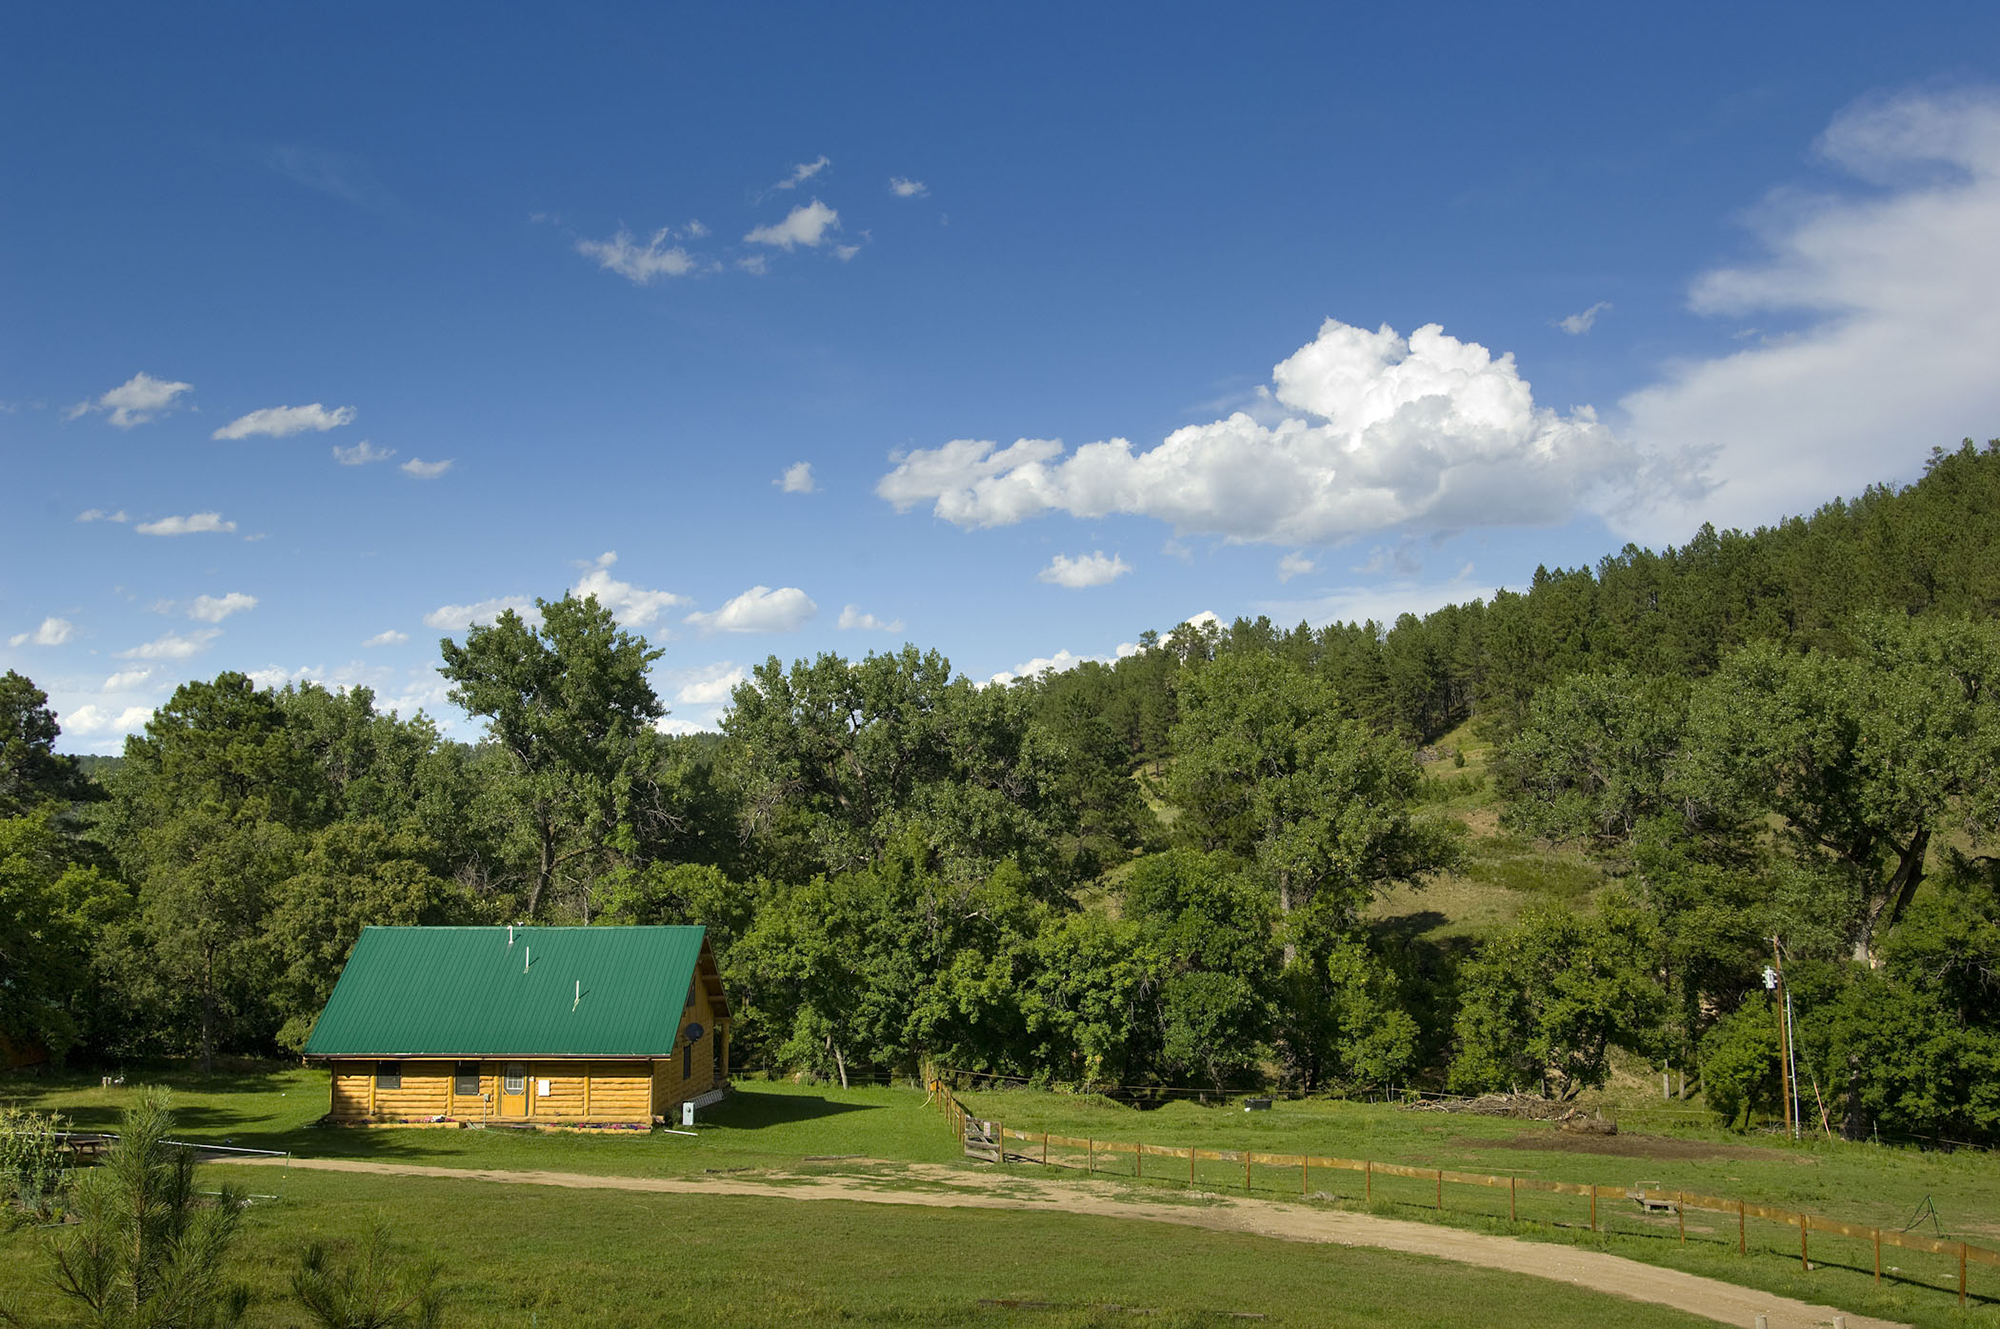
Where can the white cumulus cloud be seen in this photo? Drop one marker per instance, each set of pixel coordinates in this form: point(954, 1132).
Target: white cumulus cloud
point(1578, 324)
point(419, 469)
point(1384, 431)
point(853, 620)
point(173, 646)
point(361, 453)
point(135, 401)
point(213, 609)
point(94, 719)
point(198, 523)
point(638, 263)
point(711, 686)
point(1891, 292)
point(390, 638)
point(804, 225)
point(903, 187)
point(52, 632)
point(633, 606)
point(1294, 565)
point(797, 479)
point(759, 609)
point(457, 618)
point(1084, 570)
point(284, 421)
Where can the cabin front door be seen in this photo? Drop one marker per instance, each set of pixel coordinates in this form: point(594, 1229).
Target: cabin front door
point(514, 1090)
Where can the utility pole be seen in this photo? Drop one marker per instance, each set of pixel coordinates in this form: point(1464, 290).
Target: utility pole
point(1774, 981)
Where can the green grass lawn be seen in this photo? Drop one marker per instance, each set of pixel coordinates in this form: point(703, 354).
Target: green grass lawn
point(274, 1106)
point(793, 1127)
point(1857, 1183)
point(537, 1256)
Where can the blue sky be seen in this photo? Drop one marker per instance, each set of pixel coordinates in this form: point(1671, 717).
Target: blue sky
point(343, 328)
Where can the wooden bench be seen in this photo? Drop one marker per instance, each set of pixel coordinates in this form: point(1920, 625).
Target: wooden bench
point(1653, 1203)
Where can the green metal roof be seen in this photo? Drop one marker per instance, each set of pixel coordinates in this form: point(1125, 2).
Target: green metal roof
point(465, 992)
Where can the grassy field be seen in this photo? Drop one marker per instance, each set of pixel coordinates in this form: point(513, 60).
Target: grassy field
point(274, 1106)
point(533, 1256)
point(1857, 1183)
point(813, 1128)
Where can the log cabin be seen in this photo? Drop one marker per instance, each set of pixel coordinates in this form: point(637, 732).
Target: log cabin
point(577, 1026)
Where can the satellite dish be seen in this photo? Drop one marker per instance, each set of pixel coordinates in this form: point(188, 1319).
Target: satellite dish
point(694, 1032)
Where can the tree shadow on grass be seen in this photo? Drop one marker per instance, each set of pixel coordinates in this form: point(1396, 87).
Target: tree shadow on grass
point(746, 1109)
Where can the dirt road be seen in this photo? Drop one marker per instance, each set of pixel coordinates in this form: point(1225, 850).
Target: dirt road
point(957, 1189)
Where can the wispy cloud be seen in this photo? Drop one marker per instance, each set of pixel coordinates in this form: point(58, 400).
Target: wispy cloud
point(853, 620)
point(284, 421)
point(199, 523)
point(1083, 570)
point(903, 187)
point(1578, 324)
point(797, 479)
point(99, 514)
point(712, 685)
point(361, 453)
point(804, 225)
point(52, 632)
point(1295, 565)
point(340, 175)
point(803, 172)
point(213, 609)
point(389, 638)
point(135, 401)
point(173, 646)
point(759, 609)
point(419, 469)
point(456, 618)
point(643, 264)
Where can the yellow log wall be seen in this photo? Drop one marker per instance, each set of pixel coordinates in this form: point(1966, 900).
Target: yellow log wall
point(615, 1090)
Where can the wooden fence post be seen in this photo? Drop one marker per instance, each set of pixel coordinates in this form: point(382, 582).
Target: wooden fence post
point(1878, 1254)
point(1742, 1246)
point(1190, 1167)
point(1593, 1207)
point(1440, 1190)
point(1681, 1212)
point(1045, 1148)
point(1246, 1171)
point(1961, 1273)
point(1805, 1256)
point(1138, 1161)
point(1510, 1199)
point(1089, 1156)
point(1305, 1175)
point(1368, 1170)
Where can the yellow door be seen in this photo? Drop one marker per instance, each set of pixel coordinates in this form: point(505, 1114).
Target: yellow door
point(514, 1090)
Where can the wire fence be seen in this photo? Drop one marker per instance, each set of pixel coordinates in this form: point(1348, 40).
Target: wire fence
point(1642, 1209)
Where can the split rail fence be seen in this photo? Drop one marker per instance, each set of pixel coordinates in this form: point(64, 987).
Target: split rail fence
point(993, 1142)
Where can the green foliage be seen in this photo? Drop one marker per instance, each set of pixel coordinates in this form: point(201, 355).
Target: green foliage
point(1268, 770)
point(1593, 759)
point(50, 909)
point(372, 1290)
point(1543, 1003)
point(1740, 1066)
point(34, 1162)
point(32, 773)
point(149, 1251)
point(568, 702)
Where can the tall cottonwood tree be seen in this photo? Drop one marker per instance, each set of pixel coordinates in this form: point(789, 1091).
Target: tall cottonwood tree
point(568, 700)
point(1268, 769)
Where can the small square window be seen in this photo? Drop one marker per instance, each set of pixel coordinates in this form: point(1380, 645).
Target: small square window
point(388, 1075)
point(465, 1079)
point(516, 1081)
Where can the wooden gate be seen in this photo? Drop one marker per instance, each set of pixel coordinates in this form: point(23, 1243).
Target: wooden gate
point(983, 1140)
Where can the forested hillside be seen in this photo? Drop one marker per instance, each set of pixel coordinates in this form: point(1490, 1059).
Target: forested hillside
point(1164, 871)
